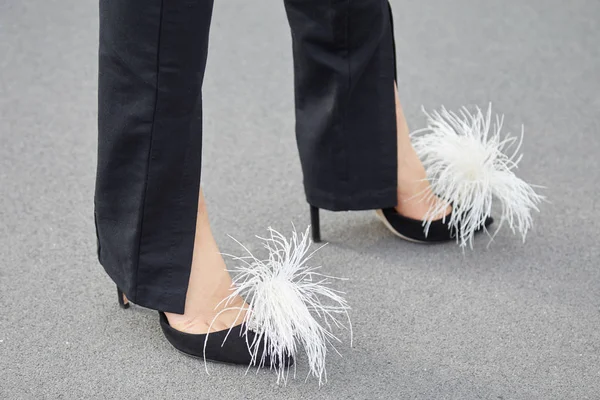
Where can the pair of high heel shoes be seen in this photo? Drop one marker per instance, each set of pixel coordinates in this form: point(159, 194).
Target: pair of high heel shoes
point(211, 346)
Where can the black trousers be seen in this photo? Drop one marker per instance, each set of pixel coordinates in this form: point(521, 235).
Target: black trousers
point(152, 59)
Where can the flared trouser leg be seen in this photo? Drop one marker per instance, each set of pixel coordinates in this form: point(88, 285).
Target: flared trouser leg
point(344, 63)
point(151, 67)
point(152, 58)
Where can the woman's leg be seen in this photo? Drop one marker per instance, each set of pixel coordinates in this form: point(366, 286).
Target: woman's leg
point(153, 237)
point(351, 131)
point(413, 187)
point(209, 284)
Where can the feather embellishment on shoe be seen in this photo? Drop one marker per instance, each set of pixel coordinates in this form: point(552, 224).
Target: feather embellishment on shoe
point(469, 163)
point(292, 306)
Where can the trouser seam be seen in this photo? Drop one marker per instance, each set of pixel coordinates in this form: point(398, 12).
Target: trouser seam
point(346, 177)
point(145, 192)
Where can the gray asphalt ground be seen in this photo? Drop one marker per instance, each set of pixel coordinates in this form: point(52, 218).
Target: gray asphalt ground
point(513, 321)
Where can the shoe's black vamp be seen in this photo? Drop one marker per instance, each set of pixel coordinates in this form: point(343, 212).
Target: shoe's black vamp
point(228, 346)
point(439, 230)
point(413, 229)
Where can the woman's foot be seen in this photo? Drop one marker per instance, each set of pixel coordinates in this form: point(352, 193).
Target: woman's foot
point(206, 312)
point(209, 284)
point(415, 197)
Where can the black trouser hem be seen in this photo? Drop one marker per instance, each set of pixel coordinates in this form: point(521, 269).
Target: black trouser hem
point(357, 202)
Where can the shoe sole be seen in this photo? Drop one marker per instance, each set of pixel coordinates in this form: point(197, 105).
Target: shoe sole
point(218, 361)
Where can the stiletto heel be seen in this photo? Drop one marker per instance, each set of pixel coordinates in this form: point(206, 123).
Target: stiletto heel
point(123, 301)
point(315, 224)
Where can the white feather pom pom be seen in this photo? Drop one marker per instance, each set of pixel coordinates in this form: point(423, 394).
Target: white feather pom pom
point(467, 162)
point(291, 304)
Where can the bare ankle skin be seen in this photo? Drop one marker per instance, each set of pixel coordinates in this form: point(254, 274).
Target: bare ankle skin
point(413, 186)
point(209, 284)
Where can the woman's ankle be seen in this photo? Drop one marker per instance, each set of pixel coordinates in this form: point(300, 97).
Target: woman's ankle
point(209, 284)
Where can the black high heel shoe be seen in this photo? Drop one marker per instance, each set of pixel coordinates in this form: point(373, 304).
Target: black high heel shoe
point(234, 352)
point(403, 227)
